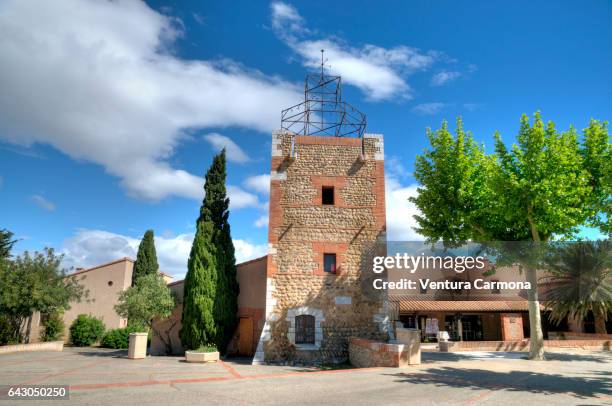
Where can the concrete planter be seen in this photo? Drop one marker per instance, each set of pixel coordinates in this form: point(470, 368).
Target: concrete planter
point(192, 356)
point(138, 346)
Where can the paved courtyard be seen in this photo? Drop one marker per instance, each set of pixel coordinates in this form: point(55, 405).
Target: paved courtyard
point(102, 377)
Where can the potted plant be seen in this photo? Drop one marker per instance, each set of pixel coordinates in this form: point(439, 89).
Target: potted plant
point(205, 353)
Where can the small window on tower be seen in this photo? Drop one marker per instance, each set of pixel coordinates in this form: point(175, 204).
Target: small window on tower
point(329, 263)
point(327, 195)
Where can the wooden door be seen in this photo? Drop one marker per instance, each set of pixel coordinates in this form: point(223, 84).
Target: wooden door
point(245, 336)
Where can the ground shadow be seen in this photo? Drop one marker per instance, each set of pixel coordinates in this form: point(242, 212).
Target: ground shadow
point(601, 357)
point(595, 384)
point(103, 353)
point(239, 360)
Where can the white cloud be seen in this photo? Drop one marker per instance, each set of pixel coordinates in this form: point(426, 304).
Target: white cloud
point(379, 72)
point(232, 151)
point(42, 202)
point(258, 183)
point(88, 248)
point(400, 211)
point(444, 76)
point(240, 198)
point(428, 108)
point(262, 221)
point(246, 251)
point(98, 81)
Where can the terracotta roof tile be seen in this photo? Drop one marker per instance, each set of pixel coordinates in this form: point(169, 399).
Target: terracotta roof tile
point(462, 305)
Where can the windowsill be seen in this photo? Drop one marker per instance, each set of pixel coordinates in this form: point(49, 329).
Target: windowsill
point(307, 347)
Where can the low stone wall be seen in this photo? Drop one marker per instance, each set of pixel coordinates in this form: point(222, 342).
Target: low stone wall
point(365, 353)
point(563, 335)
point(523, 345)
point(49, 346)
point(588, 344)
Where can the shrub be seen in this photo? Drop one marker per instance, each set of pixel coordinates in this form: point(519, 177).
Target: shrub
point(86, 330)
point(206, 348)
point(53, 327)
point(119, 338)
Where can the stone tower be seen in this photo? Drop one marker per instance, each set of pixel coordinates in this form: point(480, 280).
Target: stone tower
point(327, 214)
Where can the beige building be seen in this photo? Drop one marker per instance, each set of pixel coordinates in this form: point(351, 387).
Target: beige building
point(103, 283)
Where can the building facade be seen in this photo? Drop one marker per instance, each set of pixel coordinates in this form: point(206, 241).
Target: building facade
point(102, 285)
point(327, 214)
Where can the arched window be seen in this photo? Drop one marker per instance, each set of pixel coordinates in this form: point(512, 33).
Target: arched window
point(305, 329)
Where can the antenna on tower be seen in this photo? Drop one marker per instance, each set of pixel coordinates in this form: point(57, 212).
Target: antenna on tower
point(323, 112)
point(322, 62)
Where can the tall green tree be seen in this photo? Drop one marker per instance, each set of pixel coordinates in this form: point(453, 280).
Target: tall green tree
point(211, 289)
point(545, 185)
point(146, 258)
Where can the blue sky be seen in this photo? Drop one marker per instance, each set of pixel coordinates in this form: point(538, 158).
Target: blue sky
point(110, 113)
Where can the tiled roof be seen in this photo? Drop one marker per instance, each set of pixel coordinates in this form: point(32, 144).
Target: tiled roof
point(80, 271)
point(462, 305)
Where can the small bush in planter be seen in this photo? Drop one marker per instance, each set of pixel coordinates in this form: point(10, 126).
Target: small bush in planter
point(53, 327)
point(86, 330)
point(119, 338)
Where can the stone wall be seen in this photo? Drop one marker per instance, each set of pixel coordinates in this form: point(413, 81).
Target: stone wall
point(368, 353)
point(302, 229)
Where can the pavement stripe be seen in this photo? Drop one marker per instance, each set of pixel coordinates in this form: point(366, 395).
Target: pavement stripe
point(230, 369)
point(89, 386)
point(476, 398)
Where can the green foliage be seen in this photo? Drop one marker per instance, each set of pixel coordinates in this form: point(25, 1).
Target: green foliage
point(543, 182)
point(149, 298)
point(547, 184)
point(581, 279)
point(455, 197)
point(86, 330)
point(206, 348)
point(119, 338)
point(146, 258)
point(597, 158)
point(53, 327)
point(34, 282)
point(6, 331)
point(211, 289)
point(198, 325)
point(6, 243)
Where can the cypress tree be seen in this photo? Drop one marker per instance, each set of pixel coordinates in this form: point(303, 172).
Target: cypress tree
point(211, 288)
point(146, 259)
point(226, 300)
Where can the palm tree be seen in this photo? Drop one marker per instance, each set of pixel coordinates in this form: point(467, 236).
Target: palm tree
point(580, 281)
